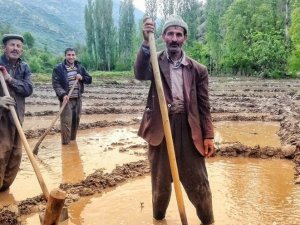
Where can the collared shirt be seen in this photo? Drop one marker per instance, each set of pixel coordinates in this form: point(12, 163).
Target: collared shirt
point(175, 73)
point(176, 76)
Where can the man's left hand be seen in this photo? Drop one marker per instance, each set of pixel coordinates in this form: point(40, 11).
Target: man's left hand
point(209, 148)
point(78, 77)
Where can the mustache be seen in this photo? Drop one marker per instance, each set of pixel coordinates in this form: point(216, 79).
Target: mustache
point(173, 43)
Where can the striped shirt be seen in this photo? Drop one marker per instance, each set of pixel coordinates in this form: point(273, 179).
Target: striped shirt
point(72, 72)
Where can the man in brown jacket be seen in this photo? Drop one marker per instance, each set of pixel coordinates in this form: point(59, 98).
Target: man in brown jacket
point(185, 84)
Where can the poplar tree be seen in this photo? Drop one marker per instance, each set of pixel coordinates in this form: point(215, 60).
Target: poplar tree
point(151, 8)
point(166, 8)
point(215, 9)
point(294, 59)
point(126, 35)
point(104, 33)
point(90, 35)
point(191, 13)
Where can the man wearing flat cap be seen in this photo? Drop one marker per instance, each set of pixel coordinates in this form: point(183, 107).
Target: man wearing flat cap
point(185, 84)
point(16, 74)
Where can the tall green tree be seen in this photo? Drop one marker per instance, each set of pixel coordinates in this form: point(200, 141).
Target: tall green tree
point(92, 58)
point(215, 9)
point(126, 35)
point(294, 58)
point(151, 8)
point(166, 8)
point(254, 41)
point(191, 12)
point(29, 39)
point(104, 31)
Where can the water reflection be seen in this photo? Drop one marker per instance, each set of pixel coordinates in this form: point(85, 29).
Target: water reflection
point(245, 192)
point(7, 198)
point(248, 133)
point(72, 166)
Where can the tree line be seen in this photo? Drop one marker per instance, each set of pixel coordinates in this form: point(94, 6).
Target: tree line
point(231, 37)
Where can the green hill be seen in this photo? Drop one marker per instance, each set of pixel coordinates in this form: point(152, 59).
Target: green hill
point(55, 24)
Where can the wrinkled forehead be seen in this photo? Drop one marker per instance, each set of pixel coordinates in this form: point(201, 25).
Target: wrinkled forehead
point(174, 28)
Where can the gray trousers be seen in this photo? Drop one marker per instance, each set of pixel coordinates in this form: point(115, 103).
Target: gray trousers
point(69, 120)
point(10, 151)
point(191, 168)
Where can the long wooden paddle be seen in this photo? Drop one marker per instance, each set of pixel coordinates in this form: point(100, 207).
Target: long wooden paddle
point(36, 147)
point(167, 129)
point(24, 141)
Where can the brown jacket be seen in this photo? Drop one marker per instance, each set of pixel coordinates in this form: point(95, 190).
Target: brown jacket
point(195, 88)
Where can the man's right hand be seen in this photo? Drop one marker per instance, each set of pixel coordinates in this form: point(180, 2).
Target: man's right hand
point(6, 101)
point(66, 98)
point(5, 74)
point(148, 26)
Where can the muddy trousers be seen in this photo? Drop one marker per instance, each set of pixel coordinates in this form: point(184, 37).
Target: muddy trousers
point(69, 120)
point(10, 152)
point(191, 168)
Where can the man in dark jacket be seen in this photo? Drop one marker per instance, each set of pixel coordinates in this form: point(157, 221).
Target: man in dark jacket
point(17, 77)
point(63, 78)
point(185, 84)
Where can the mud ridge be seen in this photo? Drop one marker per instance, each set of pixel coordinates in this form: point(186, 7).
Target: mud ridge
point(94, 183)
point(36, 133)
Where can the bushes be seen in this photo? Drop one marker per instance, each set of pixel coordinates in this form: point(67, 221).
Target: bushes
point(41, 61)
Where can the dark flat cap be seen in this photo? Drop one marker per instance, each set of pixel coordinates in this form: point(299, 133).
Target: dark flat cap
point(7, 37)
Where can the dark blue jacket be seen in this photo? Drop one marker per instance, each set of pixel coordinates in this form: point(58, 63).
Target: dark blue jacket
point(19, 87)
point(60, 79)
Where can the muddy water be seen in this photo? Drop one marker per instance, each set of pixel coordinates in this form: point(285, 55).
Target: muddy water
point(94, 149)
point(245, 191)
point(106, 147)
point(248, 133)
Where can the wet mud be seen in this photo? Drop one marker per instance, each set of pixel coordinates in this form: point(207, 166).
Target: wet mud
point(117, 103)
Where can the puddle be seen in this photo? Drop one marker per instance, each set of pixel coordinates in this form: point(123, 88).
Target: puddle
point(254, 197)
point(111, 146)
point(245, 191)
point(95, 149)
point(248, 133)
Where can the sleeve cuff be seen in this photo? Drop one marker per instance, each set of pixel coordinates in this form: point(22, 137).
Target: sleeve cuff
point(145, 49)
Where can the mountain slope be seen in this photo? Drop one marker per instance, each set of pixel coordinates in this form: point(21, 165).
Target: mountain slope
point(55, 24)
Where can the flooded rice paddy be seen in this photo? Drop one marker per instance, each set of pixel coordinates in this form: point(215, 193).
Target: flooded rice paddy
point(254, 174)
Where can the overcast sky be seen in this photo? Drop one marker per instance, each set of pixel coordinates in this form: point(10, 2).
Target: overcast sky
point(139, 4)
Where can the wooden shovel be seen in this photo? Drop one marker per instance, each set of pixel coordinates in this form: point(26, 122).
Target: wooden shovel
point(167, 130)
point(56, 204)
point(36, 147)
